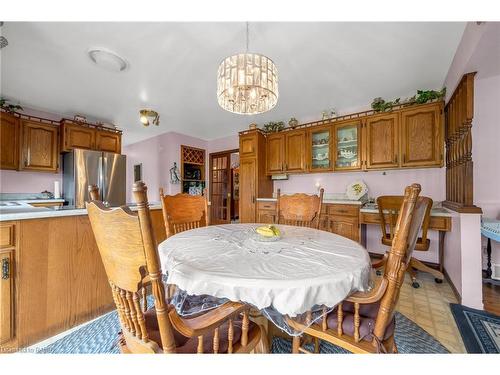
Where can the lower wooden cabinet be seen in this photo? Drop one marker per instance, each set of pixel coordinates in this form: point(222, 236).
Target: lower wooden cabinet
point(341, 219)
point(7, 296)
point(40, 151)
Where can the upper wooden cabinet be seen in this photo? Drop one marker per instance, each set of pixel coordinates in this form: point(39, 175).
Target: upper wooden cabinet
point(275, 155)
point(320, 155)
point(248, 145)
point(9, 141)
point(108, 141)
point(39, 147)
point(422, 136)
point(382, 141)
point(295, 151)
point(347, 146)
point(75, 135)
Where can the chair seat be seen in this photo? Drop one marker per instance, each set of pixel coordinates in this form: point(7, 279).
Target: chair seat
point(190, 344)
point(420, 246)
point(367, 313)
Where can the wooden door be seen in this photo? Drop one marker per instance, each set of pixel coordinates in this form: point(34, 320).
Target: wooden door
point(421, 137)
point(39, 147)
point(295, 151)
point(107, 141)
point(248, 180)
point(7, 261)
point(382, 141)
point(76, 136)
point(275, 153)
point(220, 188)
point(9, 139)
point(320, 156)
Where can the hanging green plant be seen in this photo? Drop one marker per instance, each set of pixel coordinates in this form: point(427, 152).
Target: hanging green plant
point(421, 97)
point(380, 105)
point(11, 108)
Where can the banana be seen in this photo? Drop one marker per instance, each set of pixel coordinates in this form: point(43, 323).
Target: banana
point(268, 231)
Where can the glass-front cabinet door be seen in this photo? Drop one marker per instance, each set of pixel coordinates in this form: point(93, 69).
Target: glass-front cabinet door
point(347, 146)
point(320, 145)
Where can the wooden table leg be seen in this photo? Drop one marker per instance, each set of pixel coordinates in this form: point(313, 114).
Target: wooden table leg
point(442, 234)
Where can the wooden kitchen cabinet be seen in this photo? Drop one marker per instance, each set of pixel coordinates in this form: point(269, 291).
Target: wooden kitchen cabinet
point(319, 153)
point(39, 147)
point(295, 151)
point(348, 146)
point(254, 183)
point(76, 136)
point(343, 219)
point(266, 212)
point(382, 141)
point(422, 143)
point(9, 141)
point(108, 142)
point(275, 153)
point(88, 137)
point(7, 277)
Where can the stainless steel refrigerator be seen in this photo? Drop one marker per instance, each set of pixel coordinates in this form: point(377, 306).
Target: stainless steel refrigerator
point(82, 168)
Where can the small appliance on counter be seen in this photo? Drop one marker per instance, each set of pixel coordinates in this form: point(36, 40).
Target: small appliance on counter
point(82, 168)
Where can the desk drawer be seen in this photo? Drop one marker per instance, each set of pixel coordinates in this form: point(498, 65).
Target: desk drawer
point(271, 206)
point(342, 210)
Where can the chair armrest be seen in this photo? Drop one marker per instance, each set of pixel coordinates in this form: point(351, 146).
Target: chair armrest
point(371, 296)
point(206, 322)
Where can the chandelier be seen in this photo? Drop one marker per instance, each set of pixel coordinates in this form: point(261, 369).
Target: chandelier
point(247, 83)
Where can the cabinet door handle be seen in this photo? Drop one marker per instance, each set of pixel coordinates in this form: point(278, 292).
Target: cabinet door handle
point(5, 268)
point(253, 199)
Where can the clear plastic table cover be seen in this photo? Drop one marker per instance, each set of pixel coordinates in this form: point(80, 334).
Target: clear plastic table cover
point(305, 270)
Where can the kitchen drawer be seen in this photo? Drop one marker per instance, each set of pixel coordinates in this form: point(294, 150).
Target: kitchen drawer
point(7, 237)
point(266, 206)
point(442, 223)
point(343, 210)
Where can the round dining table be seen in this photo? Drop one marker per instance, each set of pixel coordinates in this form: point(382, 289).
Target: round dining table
point(303, 268)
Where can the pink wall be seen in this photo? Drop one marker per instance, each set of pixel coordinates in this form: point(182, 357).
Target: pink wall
point(379, 183)
point(28, 182)
point(157, 155)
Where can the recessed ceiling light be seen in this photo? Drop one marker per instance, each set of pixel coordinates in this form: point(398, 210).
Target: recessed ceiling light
point(108, 60)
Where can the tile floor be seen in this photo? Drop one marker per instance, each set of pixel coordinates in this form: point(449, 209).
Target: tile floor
point(428, 306)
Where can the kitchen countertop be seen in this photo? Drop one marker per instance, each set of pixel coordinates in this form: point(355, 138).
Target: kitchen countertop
point(367, 208)
point(25, 213)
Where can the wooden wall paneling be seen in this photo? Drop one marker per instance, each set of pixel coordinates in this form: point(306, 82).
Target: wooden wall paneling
point(9, 141)
point(62, 281)
point(459, 114)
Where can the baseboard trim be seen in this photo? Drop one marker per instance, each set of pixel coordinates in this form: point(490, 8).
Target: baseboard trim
point(453, 288)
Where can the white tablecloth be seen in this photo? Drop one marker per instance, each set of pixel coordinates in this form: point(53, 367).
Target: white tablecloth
point(306, 267)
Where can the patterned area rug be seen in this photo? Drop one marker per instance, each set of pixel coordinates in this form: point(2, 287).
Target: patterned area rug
point(480, 330)
point(99, 337)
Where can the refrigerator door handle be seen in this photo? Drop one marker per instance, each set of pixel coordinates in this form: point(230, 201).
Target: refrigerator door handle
point(101, 179)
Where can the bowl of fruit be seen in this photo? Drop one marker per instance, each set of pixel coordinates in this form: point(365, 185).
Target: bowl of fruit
point(268, 233)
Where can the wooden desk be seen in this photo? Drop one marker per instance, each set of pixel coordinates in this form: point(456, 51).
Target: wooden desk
point(438, 222)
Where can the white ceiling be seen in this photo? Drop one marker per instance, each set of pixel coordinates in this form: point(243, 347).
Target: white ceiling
point(173, 69)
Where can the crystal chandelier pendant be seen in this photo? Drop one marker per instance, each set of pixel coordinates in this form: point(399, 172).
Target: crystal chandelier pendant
point(247, 83)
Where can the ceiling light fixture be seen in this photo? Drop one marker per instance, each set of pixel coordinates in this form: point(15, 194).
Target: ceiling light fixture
point(107, 60)
point(247, 83)
point(148, 114)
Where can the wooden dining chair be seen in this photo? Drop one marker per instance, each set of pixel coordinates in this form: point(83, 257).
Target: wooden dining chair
point(388, 208)
point(128, 250)
point(184, 211)
point(364, 322)
point(94, 193)
point(299, 209)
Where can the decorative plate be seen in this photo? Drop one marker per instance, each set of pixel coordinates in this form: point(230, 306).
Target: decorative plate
point(356, 190)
